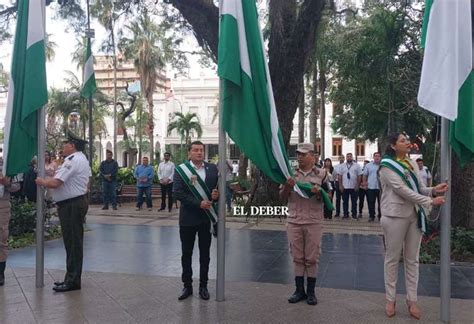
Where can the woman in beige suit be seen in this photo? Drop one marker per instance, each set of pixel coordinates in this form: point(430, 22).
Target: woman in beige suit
point(404, 198)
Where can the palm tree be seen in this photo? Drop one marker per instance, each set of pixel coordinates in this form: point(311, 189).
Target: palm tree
point(78, 56)
point(184, 125)
point(148, 47)
point(49, 48)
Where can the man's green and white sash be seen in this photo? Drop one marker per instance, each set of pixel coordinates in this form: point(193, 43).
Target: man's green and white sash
point(410, 179)
point(198, 188)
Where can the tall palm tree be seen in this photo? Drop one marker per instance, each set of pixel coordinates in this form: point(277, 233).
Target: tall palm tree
point(184, 125)
point(78, 56)
point(148, 47)
point(50, 48)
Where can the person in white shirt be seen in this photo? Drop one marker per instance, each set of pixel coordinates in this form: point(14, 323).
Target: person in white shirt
point(165, 174)
point(424, 173)
point(235, 168)
point(350, 177)
point(336, 185)
point(69, 188)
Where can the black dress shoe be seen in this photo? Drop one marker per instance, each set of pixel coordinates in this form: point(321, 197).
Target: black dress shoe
point(105, 208)
point(185, 293)
point(66, 287)
point(204, 293)
point(161, 209)
point(59, 283)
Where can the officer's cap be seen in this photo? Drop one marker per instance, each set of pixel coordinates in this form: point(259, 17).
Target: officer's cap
point(305, 147)
point(74, 139)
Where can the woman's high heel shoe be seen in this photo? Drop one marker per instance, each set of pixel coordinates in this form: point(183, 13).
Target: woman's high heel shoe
point(390, 309)
point(414, 310)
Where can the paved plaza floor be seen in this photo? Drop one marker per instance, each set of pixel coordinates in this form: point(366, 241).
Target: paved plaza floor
point(132, 274)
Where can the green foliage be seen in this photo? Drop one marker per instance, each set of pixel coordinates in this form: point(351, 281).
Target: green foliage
point(125, 176)
point(378, 65)
point(184, 125)
point(462, 246)
point(23, 218)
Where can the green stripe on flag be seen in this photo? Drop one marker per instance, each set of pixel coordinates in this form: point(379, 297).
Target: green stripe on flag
point(27, 89)
point(246, 93)
point(461, 134)
point(426, 18)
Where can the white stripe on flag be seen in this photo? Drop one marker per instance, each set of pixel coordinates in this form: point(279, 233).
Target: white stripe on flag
point(234, 8)
point(88, 68)
point(35, 23)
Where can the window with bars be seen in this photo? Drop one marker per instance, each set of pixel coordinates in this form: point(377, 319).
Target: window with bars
point(337, 146)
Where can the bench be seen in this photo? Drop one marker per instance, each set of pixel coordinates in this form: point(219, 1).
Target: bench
point(129, 192)
point(239, 196)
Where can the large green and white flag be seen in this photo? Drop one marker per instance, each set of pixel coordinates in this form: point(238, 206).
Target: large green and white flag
point(447, 78)
point(89, 87)
point(27, 90)
point(248, 106)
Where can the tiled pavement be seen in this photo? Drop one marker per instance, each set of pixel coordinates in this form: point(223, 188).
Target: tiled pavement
point(124, 298)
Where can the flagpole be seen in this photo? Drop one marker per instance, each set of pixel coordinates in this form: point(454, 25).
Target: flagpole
point(445, 258)
point(89, 102)
point(220, 285)
point(39, 189)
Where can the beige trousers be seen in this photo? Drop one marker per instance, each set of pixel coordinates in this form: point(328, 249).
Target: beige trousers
point(4, 220)
point(401, 233)
point(305, 247)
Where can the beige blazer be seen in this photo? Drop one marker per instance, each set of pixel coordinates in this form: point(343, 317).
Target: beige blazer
point(397, 199)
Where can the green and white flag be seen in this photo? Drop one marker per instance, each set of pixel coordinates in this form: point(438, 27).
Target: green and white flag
point(89, 87)
point(447, 78)
point(248, 107)
point(27, 90)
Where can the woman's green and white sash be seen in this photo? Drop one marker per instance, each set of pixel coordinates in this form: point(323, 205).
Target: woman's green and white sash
point(410, 179)
point(198, 188)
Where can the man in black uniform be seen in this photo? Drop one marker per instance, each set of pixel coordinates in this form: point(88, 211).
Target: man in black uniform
point(69, 189)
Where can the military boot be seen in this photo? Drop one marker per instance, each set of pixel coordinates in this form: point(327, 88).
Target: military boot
point(312, 300)
point(299, 293)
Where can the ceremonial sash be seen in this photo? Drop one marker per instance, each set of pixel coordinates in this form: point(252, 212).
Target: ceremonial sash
point(306, 187)
point(198, 188)
point(410, 179)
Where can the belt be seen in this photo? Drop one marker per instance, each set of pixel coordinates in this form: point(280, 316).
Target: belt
point(66, 201)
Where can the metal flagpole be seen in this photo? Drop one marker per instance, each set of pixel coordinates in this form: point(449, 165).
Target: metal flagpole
point(89, 102)
point(220, 285)
point(39, 189)
point(445, 259)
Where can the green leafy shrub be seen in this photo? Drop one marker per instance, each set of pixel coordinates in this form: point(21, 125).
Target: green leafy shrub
point(125, 176)
point(23, 217)
point(462, 246)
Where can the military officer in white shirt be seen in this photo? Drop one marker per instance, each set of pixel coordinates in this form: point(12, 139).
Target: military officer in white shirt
point(69, 189)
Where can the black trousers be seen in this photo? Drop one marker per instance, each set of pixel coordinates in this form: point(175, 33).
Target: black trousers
point(72, 216)
point(345, 202)
point(362, 195)
point(372, 196)
point(187, 235)
point(167, 190)
point(338, 199)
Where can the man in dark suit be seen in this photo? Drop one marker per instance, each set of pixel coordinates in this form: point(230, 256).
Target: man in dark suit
point(194, 215)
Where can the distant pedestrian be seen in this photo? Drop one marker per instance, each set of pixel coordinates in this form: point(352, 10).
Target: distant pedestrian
point(362, 191)
point(144, 174)
point(337, 185)
point(108, 173)
point(424, 173)
point(50, 165)
point(350, 176)
point(235, 169)
point(29, 178)
point(329, 171)
point(166, 174)
point(373, 190)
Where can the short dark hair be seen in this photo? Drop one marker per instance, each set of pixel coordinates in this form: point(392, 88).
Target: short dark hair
point(167, 153)
point(195, 143)
point(392, 140)
point(419, 159)
point(376, 153)
point(109, 151)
